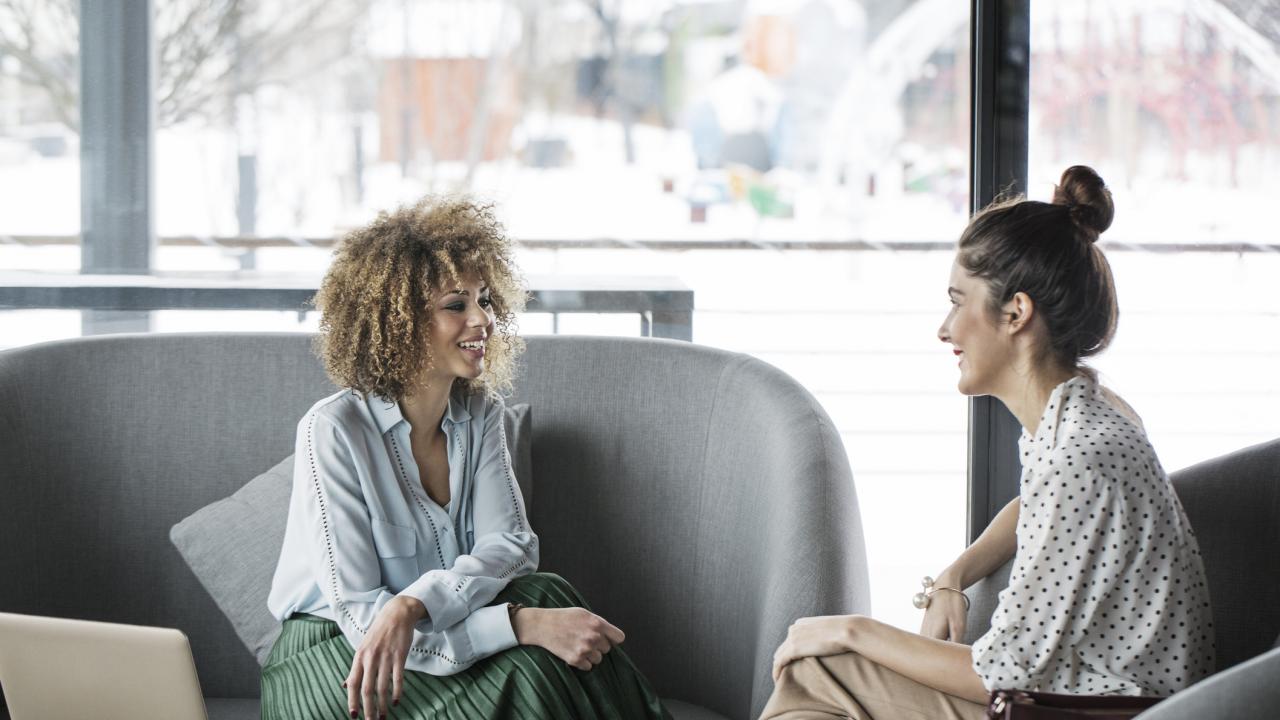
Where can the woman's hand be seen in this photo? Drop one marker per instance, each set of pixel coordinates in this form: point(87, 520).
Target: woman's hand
point(577, 636)
point(946, 616)
point(815, 637)
point(379, 662)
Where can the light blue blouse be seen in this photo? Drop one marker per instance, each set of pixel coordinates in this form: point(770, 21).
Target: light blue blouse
point(362, 529)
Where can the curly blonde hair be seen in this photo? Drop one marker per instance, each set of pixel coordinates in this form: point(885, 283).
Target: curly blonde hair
point(375, 299)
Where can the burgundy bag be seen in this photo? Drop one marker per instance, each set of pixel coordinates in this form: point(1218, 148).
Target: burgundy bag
point(1022, 705)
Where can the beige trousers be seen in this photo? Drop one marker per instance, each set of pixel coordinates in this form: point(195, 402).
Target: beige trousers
point(850, 686)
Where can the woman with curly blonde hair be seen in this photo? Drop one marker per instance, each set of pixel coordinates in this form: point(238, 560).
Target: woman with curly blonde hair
point(407, 583)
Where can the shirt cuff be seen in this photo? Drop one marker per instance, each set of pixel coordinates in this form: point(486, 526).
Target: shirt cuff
point(490, 631)
point(444, 608)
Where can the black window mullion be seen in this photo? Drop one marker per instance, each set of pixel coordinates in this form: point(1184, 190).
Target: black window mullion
point(1001, 52)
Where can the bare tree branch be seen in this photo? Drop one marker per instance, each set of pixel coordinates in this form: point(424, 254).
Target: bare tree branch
point(205, 49)
point(45, 51)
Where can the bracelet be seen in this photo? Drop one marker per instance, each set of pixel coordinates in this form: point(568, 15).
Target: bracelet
point(512, 609)
point(922, 599)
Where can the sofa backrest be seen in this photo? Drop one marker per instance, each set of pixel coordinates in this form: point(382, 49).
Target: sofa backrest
point(700, 499)
point(1233, 503)
point(106, 442)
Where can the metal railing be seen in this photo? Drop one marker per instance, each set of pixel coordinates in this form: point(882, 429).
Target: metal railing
point(664, 305)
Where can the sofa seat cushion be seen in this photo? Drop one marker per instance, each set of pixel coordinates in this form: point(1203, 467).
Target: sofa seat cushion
point(232, 708)
point(233, 545)
point(688, 711)
point(247, 709)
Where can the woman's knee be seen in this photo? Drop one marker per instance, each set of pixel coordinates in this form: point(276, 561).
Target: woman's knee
point(800, 670)
point(544, 589)
point(820, 671)
point(548, 578)
point(543, 581)
point(532, 654)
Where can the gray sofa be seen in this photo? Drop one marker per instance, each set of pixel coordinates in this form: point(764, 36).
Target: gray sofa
point(700, 499)
point(1233, 503)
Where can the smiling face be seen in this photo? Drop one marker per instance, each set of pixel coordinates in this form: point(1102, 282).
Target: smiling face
point(461, 325)
point(984, 348)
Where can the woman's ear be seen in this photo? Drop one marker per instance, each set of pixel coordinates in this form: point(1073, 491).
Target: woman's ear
point(1018, 312)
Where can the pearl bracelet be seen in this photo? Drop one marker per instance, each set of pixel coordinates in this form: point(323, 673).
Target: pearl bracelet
point(922, 599)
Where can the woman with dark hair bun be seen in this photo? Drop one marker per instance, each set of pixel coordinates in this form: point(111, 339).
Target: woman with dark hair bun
point(1107, 593)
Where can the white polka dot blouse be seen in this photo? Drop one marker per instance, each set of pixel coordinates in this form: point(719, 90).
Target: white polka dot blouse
point(1107, 594)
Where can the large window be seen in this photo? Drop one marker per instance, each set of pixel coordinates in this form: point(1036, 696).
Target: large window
point(801, 167)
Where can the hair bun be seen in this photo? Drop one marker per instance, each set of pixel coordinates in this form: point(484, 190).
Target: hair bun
point(1087, 199)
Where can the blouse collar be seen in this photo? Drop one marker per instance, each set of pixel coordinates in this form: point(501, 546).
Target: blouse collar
point(1076, 388)
point(386, 414)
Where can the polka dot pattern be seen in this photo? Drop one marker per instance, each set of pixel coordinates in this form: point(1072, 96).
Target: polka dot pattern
point(1107, 594)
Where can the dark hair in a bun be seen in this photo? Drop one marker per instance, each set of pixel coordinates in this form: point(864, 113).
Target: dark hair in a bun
point(1087, 200)
point(1048, 251)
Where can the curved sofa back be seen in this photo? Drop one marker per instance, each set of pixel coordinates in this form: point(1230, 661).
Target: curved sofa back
point(700, 499)
point(106, 442)
point(1233, 503)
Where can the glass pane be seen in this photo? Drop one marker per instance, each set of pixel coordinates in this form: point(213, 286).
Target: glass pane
point(39, 134)
point(260, 107)
point(800, 165)
point(1177, 105)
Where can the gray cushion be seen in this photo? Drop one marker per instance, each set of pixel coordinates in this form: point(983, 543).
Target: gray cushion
point(232, 545)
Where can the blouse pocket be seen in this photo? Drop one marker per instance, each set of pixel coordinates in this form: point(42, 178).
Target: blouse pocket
point(396, 546)
point(391, 541)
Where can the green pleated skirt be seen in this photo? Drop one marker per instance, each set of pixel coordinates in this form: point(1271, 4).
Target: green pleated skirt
point(303, 676)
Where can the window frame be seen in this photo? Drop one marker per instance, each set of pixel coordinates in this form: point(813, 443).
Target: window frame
point(1000, 90)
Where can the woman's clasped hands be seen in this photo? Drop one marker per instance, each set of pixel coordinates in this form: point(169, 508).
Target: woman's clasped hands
point(814, 637)
point(577, 636)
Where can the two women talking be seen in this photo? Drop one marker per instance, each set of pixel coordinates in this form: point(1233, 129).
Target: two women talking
point(407, 468)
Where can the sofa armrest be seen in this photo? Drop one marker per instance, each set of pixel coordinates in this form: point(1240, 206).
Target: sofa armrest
point(1248, 691)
